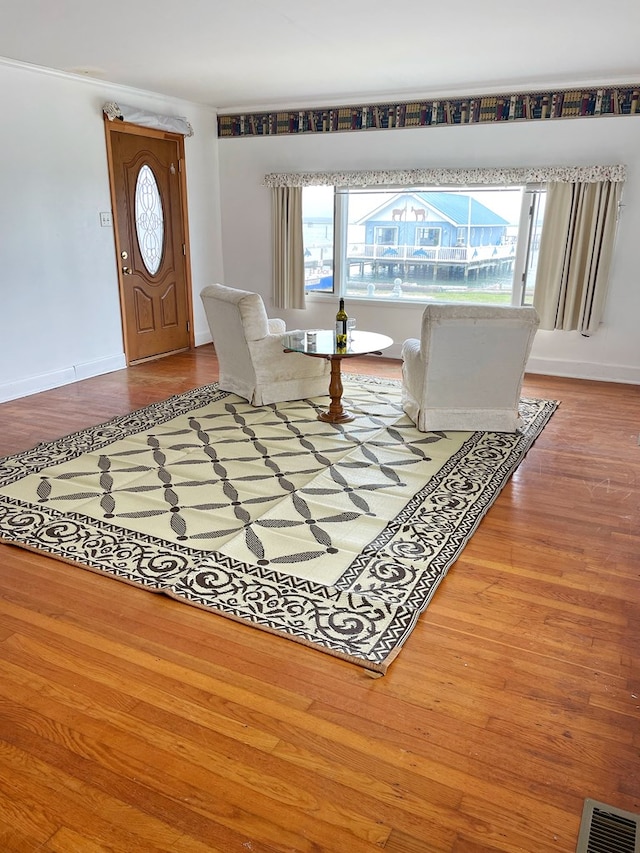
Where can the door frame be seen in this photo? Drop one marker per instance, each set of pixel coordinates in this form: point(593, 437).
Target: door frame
point(112, 127)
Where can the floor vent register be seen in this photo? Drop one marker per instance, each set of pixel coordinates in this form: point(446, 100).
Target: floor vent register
point(606, 829)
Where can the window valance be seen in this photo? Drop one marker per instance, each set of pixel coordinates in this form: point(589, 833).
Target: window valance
point(450, 177)
point(145, 118)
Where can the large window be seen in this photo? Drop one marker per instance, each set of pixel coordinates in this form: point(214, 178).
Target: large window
point(464, 244)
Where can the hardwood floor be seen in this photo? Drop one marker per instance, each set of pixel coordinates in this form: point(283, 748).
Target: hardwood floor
point(131, 723)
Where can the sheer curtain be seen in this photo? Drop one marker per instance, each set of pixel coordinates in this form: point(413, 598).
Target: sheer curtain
point(576, 248)
point(288, 248)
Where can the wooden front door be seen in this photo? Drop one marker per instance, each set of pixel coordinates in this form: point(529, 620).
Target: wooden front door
point(151, 242)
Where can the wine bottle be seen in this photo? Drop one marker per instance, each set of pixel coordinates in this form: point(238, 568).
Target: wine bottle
point(341, 327)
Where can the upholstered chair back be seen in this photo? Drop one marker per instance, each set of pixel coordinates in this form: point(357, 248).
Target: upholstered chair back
point(251, 356)
point(234, 317)
point(466, 371)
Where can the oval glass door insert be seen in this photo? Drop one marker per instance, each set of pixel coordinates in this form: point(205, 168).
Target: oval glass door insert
point(149, 219)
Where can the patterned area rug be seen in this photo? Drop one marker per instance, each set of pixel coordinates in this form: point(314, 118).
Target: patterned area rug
point(336, 536)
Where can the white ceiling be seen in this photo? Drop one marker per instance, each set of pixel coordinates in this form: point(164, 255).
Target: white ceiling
point(266, 53)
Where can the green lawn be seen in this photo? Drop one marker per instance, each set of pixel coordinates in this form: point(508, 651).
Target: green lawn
point(442, 293)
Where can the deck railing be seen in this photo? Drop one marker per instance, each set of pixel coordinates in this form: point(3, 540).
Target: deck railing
point(423, 254)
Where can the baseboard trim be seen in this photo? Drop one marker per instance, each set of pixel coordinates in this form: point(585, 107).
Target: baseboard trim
point(202, 338)
point(58, 378)
point(585, 370)
point(97, 368)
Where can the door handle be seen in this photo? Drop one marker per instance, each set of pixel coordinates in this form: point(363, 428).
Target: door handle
point(127, 271)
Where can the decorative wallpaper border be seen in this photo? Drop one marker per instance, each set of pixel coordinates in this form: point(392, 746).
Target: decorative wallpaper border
point(476, 109)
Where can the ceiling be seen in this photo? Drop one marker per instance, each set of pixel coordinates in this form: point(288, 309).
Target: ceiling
point(247, 54)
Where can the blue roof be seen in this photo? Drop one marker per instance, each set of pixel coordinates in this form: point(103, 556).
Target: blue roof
point(456, 208)
point(453, 207)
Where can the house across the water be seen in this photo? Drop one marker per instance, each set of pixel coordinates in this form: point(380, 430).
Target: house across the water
point(432, 235)
point(436, 239)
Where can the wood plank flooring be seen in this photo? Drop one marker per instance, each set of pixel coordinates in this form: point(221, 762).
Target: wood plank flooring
point(130, 723)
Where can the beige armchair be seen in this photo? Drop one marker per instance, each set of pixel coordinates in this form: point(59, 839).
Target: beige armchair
point(466, 371)
point(249, 349)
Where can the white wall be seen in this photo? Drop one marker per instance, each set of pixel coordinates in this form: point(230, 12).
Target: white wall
point(613, 353)
point(60, 311)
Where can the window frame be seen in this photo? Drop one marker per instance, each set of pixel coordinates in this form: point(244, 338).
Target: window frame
point(437, 231)
point(390, 228)
point(522, 262)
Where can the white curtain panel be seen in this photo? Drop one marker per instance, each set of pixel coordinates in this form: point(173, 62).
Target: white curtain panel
point(288, 248)
point(576, 248)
